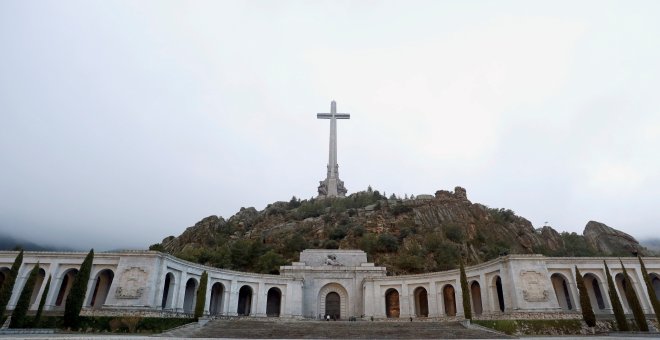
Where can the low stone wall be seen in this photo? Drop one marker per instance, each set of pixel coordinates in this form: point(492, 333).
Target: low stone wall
point(133, 312)
point(529, 316)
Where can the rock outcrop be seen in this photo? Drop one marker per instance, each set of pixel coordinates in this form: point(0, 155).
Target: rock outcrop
point(610, 241)
point(406, 235)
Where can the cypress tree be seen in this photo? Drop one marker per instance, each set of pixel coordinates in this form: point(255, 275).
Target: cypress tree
point(8, 285)
point(42, 302)
point(18, 316)
point(620, 317)
point(633, 302)
point(649, 289)
point(467, 307)
point(201, 295)
point(585, 304)
point(76, 297)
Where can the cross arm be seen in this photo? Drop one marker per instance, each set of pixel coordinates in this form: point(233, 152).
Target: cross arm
point(337, 115)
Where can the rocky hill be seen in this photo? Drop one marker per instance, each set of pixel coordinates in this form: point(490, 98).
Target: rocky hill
point(411, 235)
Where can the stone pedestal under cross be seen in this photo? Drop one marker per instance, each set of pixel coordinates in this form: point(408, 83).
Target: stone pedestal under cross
point(332, 186)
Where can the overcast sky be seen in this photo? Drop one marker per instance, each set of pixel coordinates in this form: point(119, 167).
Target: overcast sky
point(123, 122)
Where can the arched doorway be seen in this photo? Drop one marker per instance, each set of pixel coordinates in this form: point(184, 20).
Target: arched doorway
point(168, 291)
point(273, 302)
point(421, 302)
point(559, 283)
point(499, 293)
point(215, 305)
point(655, 282)
point(245, 300)
point(475, 292)
point(189, 299)
point(621, 285)
point(4, 272)
point(41, 275)
point(592, 283)
point(65, 286)
point(333, 305)
point(449, 298)
point(392, 308)
point(101, 288)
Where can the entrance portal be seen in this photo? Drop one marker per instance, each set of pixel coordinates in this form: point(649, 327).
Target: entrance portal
point(333, 305)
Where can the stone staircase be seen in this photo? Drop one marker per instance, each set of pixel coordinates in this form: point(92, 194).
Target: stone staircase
point(280, 329)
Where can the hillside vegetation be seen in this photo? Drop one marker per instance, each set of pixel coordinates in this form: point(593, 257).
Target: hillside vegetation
point(407, 235)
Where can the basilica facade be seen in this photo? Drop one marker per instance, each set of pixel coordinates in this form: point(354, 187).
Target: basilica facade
point(337, 284)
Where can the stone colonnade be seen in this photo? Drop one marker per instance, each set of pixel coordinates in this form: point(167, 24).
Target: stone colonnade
point(342, 285)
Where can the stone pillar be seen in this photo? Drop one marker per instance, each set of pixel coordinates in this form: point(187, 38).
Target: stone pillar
point(21, 277)
point(432, 297)
point(181, 293)
point(55, 283)
point(259, 301)
point(207, 300)
point(233, 299)
point(405, 307)
point(484, 290)
point(160, 284)
point(458, 297)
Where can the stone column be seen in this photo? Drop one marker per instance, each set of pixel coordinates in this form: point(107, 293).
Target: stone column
point(458, 297)
point(259, 301)
point(404, 302)
point(181, 293)
point(484, 290)
point(233, 299)
point(207, 300)
point(55, 283)
point(432, 297)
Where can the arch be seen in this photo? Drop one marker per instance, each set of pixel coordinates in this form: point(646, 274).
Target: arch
point(498, 292)
point(217, 292)
point(273, 302)
point(475, 293)
point(245, 300)
point(592, 283)
point(563, 294)
point(102, 285)
point(323, 300)
point(421, 302)
point(168, 291)
point(189, 299)
point(621, 285)
point(4, 272)
point(655, 282)
point(41, 275)
point(449, 299)
point(333, 306)
point(392, 307)
point(65, 286)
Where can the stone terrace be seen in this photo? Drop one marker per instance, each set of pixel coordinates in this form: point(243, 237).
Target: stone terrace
point(337, 330)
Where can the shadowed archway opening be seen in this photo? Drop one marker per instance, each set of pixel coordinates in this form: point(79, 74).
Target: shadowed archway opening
point(392, 308)
point(499, 293)
point(217, 292)
point(592, 283)
point(4, 272)
point(244, 301)
point(449, 299)
point(168, 291)
point(421, 302)
point(273, 302)
point(475, 293)
point(101, 290)
point(189, 299)
point(41, 276)
point(333, 305)
point(560, 286)
point(65, 286)
point(621, 285)
point(655, 282)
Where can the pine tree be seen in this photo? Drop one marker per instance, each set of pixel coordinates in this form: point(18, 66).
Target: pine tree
point(585, 304)
point(633, 302)
point(467, 307)
point(76, 297)
point(18, 316)
point(8, 284)
point(201, 295)
point(649, 289)
point(42, 302)
point(620, 317)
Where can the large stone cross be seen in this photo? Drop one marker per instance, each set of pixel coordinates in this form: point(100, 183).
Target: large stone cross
point(332, 186)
